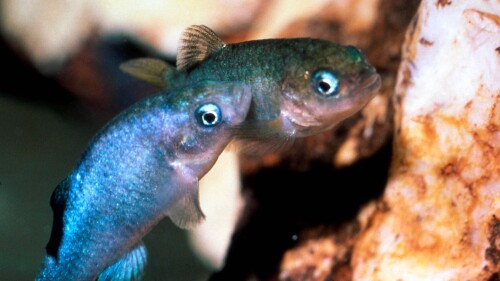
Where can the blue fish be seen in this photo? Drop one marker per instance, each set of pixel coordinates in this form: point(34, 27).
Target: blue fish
point(141, 167)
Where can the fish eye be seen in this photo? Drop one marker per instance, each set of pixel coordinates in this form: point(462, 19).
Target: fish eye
point(208, 115)
point(325, 83)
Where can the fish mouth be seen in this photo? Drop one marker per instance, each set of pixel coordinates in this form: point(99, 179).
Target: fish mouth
point(364, 92)
point(371, 83)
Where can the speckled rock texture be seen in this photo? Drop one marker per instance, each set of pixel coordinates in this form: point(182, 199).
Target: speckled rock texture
point(441, 206)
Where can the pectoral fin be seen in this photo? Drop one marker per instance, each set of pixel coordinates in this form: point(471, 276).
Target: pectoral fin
point(262, 137)
point(260, 129)
point(129, 267)
point(153, 71)
point(186, 211)
point(58, 202)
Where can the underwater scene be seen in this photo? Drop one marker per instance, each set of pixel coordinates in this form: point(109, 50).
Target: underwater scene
point(250, 140)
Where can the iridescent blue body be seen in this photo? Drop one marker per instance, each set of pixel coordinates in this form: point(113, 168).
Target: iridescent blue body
point(144, 165)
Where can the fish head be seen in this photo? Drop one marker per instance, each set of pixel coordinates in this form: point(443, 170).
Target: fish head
point(325, 84)
point(212, 111)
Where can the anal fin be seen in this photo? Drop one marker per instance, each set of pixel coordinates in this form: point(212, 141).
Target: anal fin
point(129, 267)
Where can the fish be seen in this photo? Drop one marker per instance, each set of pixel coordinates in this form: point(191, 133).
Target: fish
point(300, 86)
point(143, 166)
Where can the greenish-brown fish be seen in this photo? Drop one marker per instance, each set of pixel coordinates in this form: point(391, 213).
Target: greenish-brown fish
point(299, 87)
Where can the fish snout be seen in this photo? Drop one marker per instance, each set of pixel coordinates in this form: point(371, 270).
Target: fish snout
point(369, 81)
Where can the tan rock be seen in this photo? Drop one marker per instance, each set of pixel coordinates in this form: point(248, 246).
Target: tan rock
point(443, 196)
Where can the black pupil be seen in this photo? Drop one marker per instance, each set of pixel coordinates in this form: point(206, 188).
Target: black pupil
point(209, 117)
point(325, 87)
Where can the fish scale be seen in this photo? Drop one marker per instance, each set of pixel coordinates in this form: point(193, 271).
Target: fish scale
point(288, 97)
point(141, 167)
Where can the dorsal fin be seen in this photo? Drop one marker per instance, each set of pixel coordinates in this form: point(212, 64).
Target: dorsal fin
point(153, 71)
point(198, 42)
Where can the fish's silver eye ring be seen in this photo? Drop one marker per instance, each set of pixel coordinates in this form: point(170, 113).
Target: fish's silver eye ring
point(208, 114)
